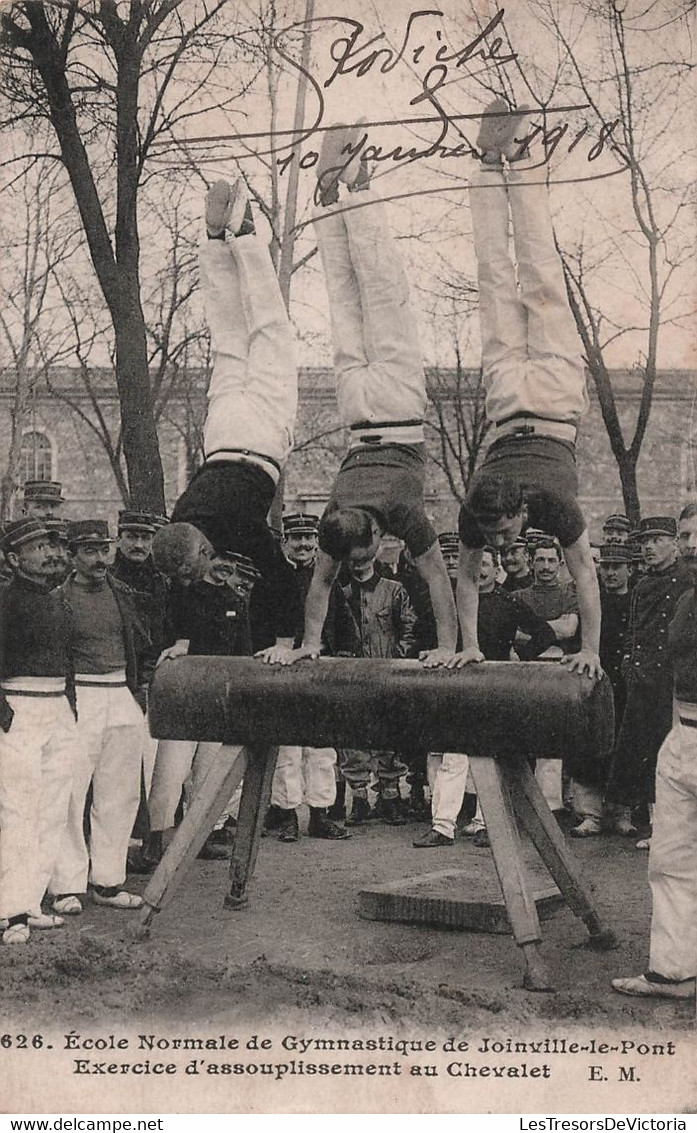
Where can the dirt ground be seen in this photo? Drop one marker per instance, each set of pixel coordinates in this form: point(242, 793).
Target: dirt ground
point(301, 944)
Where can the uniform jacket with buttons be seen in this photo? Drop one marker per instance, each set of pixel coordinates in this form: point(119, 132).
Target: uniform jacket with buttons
point(652, 607)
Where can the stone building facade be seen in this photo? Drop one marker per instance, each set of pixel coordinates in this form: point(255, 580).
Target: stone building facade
point(59, 443)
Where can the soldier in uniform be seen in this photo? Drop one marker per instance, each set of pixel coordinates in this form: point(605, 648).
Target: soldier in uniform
point(60, 555)
point(648, 713)
point(38, 734)
point(616, 530)
point(615, 560)
point(673, 852)
point(42, 499)
point(114, 662)
point(133, 565)
point(516, 563)
point(306, 772)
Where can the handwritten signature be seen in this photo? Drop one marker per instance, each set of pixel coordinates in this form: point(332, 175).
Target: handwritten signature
point(354, 54)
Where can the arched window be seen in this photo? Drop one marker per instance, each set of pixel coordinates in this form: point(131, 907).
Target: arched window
point(37, 456)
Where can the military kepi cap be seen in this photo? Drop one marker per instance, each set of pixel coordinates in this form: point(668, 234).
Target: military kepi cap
point(612, 554)
point(19, 531)
point(244, 564)
point(137, 521)
point(617, 523)
point(658, 525)
point(300, 523)
point(89, 531)
point(45, 491)
point(449, 540)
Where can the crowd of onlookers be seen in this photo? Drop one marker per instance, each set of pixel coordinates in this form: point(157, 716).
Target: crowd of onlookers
point(89, 615)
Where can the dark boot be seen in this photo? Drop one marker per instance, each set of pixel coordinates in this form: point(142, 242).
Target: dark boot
point(274, 817)
point(148, 857)
point(337, 811)
point(288, 830)
point(360, 811)
point(212, 851)
point(391, 811)
point(225, 836)
point(321, 826)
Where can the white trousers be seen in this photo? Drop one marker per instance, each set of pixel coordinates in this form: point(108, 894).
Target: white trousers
point(111, 727)
point(177, 762)
point(447, 778)
point(377, 355)
point(304, 774)
point(531, 352)
point(36, 760)
point(673, 857)
point(253, 393)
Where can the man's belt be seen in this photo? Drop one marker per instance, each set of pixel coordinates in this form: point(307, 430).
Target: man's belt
point(688, 721)
point(116, 679)
point(522, 426)
point(11, 690)
point(245, 456)
point(368, 433)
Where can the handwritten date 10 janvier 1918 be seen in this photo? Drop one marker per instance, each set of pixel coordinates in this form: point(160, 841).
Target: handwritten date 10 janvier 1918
point(350, 55)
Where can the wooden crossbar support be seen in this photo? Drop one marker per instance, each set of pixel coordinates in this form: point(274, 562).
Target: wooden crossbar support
point(500, 711)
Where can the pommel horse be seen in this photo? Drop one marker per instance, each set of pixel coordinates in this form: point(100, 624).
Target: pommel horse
point(496, 712)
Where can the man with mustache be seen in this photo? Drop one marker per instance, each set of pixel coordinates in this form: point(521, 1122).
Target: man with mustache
point(647, 668)
point(113, 660)
point(673, 851)
point(38, 735)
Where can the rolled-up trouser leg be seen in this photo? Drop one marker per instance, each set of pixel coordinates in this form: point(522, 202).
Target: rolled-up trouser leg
point(673, 858)
point(287, 783)
point(319, 779)
point(356, 767)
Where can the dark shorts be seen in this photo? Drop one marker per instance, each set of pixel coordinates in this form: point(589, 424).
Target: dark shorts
point(546, 470)
point(388, 481)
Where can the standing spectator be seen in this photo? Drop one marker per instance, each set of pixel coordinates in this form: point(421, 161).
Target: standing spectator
point(307, 771)
point(616, 529)
point(38, 740)
point(649, 709)
point(615, 566)
point(500, 617)
point(113, 663)
point(385, 622)
point(516, 563)
point(556, 602)
point(133, 565)
point(673, 851)
point(43, 499)
point(209, 617)
point(61, 564)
